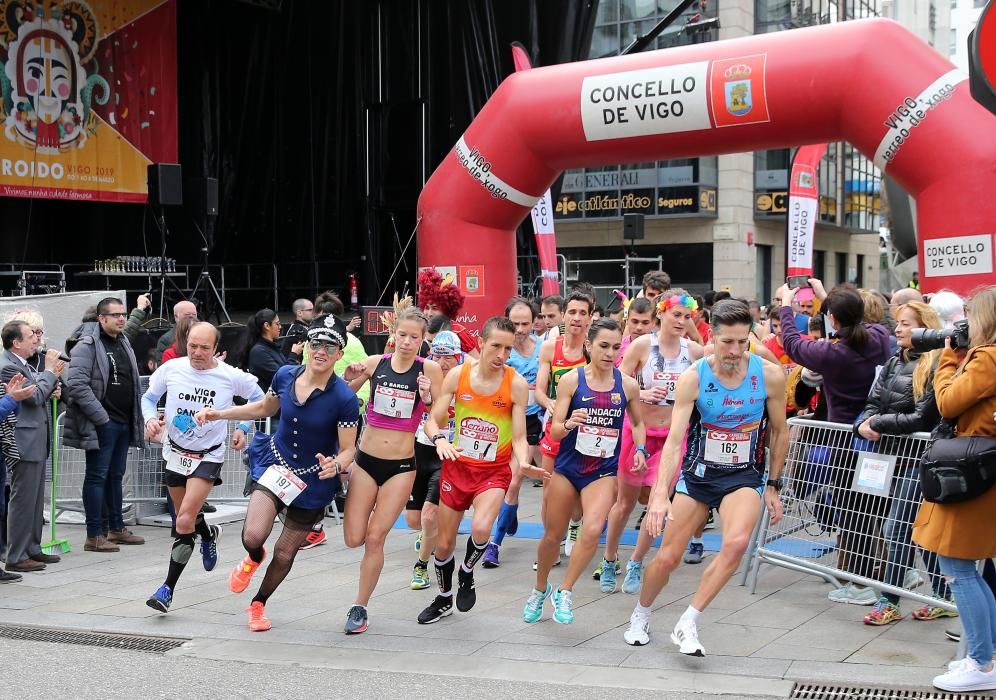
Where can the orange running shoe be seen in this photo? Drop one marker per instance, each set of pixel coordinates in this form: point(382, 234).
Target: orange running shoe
point(239, 579)
point(314, 539)
point(257, 617)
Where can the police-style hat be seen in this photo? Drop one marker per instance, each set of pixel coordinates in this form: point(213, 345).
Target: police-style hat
point(328, 328)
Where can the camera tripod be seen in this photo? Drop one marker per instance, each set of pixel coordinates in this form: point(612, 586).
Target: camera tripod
point(213, 301)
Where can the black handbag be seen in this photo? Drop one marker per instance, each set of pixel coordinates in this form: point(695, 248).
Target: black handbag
point(956, 468)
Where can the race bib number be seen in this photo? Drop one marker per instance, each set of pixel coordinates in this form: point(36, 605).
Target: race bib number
point(727, 448)
point(595, 441)
point(183, 463)
point(282, 483)
point(478, 442)
point(393, 403)
point(669, 381)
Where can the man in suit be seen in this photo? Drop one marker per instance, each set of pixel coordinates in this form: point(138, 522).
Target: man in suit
point(33, 437)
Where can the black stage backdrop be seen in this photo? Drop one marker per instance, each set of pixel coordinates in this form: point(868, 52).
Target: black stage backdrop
point(320, 121)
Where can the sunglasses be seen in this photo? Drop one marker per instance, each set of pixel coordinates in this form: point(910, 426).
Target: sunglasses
point(325, 345)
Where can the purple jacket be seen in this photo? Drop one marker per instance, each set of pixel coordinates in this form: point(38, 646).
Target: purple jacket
point(847, 372)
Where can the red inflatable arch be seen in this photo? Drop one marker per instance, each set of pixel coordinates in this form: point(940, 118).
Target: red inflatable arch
point(870, 82)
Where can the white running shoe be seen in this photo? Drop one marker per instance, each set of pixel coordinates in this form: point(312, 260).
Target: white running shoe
point(966, 676)
point(571, 539)
point(686, 636)
point(638, 633)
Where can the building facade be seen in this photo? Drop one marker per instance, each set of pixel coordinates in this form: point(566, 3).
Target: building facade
point(719, 222)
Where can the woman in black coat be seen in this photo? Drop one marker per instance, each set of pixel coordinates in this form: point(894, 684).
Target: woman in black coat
point(902, 402)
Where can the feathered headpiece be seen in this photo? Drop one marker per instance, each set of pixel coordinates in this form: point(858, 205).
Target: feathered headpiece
point(434, 290)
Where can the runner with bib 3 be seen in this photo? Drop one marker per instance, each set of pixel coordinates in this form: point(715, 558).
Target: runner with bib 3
point(588, 421)
point(296, 470)
point(402, 387)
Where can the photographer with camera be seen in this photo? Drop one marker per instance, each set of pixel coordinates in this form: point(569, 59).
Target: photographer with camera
point(900, 403)
point(963, 532)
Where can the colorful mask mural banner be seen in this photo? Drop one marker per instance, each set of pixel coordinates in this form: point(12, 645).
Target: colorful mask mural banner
point(88, 97)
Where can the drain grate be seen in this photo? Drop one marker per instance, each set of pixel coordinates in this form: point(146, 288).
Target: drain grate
point(127, 642)
point(813, 691)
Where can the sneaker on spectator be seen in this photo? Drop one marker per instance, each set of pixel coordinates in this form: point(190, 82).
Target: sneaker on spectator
point(966, 676)
point(912, 579)
point(884, 613)
point(853, 595)
point(933, 612)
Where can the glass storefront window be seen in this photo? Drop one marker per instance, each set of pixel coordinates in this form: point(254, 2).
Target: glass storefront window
point(685, 187)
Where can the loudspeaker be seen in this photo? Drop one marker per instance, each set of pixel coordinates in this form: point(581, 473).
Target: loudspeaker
point(165, 184)
point(633, 227)
point(202, 196)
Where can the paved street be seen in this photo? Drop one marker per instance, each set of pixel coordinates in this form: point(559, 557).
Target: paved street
point(757, 645)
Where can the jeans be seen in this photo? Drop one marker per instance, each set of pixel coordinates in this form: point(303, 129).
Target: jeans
point(898, 531)
point(105, 468)
point(976, 605)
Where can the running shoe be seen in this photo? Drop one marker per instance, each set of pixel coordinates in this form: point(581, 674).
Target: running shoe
point(513, 524)
point(258, 621)
point(686, 636)
point(563, 607)
point(571, 539)
point(161, 599)
point(466, 596)
point(418, 542)
point(607, 581)
point(694, 553)
point(356, 620)
point(710, 521)
point(241, 575)
point(954, 635)
point(209, 549)
point(933, 612)
point(536, 563)
point(634, 575)
point(490, 560)
point(912, 579)
point(420, 576)
point(853, 595)
point(966, 676)
point(639, 521)
point(437, 610)
point(597, 573)
point(638, 633)
point(314, 539)
point(884, 613)
point(533, 612)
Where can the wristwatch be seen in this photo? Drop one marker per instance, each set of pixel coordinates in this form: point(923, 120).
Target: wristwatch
point(643, 449)
point(776, 484)
point(435, 438)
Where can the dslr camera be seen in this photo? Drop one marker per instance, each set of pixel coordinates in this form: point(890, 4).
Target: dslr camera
point(924, 339)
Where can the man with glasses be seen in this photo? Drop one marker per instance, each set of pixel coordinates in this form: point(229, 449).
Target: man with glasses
point(304, 311)
point(28, 450)
point(104, 418)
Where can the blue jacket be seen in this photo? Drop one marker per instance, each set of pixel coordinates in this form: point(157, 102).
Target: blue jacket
point(7, 406)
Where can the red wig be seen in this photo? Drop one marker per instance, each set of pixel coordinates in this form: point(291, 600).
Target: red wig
point(431, 290)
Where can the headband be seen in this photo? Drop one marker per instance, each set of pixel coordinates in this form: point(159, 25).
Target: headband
point(686, 300)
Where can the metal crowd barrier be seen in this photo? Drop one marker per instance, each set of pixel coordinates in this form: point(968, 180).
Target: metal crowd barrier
point(144, 492)
point(848, 503)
